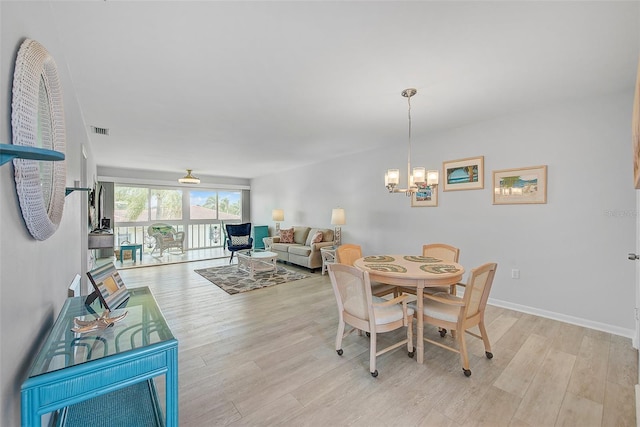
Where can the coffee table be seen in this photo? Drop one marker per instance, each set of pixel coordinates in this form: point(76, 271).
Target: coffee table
point(256, 261)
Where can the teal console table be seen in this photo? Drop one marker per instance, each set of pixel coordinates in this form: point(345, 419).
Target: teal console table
point(104, 377)
point(259, 232)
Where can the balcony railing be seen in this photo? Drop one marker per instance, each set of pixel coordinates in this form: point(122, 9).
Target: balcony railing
point(197, 235)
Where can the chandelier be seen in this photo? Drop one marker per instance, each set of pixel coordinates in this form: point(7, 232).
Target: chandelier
point(189, 179)
point(417, 179)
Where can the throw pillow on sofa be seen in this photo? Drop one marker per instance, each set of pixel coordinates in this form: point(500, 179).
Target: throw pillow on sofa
point(317, 237)
point(286, 235)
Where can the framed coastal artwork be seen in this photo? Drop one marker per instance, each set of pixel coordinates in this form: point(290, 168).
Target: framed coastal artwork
point(463, 174)
point(425, 196)
point(520, 186)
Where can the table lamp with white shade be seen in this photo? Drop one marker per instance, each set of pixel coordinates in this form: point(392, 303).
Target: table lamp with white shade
point(338, 218)
point(277, 215)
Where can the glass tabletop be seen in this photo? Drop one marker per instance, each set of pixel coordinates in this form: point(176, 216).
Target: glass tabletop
point(257, 253)
point(143, 325)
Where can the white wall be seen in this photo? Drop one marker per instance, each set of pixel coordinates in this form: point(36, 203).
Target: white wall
point(34, 275)
point(571, 252)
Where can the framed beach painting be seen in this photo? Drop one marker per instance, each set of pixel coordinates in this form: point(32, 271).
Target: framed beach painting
point(520, 186)
point(425, 197)
point(463, 174)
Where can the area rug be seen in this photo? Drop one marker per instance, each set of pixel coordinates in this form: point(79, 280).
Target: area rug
point(232, 281)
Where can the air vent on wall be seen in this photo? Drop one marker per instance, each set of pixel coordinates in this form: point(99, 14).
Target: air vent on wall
point(100, 131)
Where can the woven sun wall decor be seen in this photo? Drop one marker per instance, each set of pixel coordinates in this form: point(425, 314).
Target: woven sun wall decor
point(37, 120)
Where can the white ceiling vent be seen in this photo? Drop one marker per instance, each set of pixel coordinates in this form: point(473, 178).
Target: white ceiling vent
point(100, 131)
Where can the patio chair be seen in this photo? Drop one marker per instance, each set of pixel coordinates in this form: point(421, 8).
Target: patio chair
point(166, 237)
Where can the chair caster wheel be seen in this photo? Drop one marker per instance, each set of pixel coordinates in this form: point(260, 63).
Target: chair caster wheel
point(412, 353)
point(467, 372)
point(374, 373)
point(443, 332)
point(339, 352)
point(488, 354)
point(368, 334)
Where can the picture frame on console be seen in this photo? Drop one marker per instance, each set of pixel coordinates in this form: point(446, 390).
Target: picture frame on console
point(108, 287)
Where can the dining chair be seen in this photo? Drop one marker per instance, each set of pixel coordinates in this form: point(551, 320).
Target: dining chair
point(359, 308)
point(444, 252)
point(462, 313)
point(347, 254)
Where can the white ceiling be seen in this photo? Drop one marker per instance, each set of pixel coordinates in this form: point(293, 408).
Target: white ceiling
point(245, 88)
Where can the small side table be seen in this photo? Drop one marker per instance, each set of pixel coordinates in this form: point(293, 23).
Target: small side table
point(328, 254)
point(130, 247)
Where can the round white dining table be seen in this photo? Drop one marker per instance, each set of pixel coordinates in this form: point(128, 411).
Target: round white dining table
point(412, 271)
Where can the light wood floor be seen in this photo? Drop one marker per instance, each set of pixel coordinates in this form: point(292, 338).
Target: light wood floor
point(173, 256)
point(267, 357)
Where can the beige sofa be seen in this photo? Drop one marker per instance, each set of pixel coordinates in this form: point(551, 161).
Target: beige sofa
point(302, 252)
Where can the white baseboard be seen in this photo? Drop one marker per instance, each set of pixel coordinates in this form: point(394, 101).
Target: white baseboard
point(616, 330)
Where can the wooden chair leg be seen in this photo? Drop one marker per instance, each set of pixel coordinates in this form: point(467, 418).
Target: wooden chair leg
point(464, 357)
point(372, 355)
point(485, 340)
point(339, 337)
point(410, 345)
